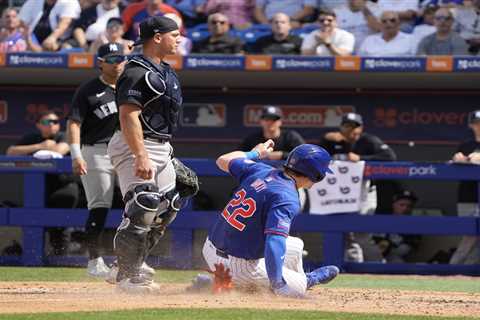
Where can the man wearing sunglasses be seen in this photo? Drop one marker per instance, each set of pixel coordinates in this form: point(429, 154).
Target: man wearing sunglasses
point(91, 123)
point(444, 41)
point(328, 40)
point(149, 99)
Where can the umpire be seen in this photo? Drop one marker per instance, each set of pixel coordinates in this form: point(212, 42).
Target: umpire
point(149, 99)
point(91, 124)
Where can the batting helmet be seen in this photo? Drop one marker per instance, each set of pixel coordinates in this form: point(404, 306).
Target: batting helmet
point(309, 160)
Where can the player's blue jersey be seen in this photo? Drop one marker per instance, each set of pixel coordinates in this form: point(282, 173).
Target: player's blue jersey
point(266, 201)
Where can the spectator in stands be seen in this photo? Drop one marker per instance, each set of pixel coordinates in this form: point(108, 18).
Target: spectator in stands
point(395, 247)
point(467, 20)
point(444, 41)
point(185, 46)
point(328, 40)
point(62, 191)
point(468, 152)
point(136, 12)
point(280, 41)
point(92, 23)
point(112, 34)
point(360, 18)
point(13, 38)
point(427, 27)
point(219, 40)
point(406, 10)
point(271, 123)
point(239, 13)
point(331, 5)
point(299, 11)
point(390, 42)
point(191, 10)
point(351, 143)
point(50, 20)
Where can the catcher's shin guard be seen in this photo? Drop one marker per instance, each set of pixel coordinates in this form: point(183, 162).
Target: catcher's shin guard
point(131, 240)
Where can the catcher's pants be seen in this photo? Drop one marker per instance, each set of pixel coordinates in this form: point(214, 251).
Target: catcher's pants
point(468, 250)
point(99, 182)
point(124, 162)
point(248, 273)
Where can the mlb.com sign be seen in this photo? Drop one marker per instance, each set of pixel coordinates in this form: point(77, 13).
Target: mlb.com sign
point(299, 115)
point(400, 171)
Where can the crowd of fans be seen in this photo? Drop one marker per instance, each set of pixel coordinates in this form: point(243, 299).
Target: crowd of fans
point(307, 27)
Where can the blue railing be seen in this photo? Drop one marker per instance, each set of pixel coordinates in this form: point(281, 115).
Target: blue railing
point(33, 218)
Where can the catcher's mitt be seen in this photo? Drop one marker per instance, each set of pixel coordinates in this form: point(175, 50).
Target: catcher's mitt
point(186, 181)
point(222, 280)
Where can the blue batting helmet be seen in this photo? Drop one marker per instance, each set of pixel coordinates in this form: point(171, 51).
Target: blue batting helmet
point(309, 160)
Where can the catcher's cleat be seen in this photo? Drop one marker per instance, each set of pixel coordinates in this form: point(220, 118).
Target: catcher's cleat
point(322, 275)
point(97, 268)
point(145, 270)
point(138, 285)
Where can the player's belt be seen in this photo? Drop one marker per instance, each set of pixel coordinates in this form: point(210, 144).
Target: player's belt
point(158, 139)
point(222, 254)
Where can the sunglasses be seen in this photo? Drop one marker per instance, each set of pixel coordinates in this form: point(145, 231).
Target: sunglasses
point(443, 18)
point(218, 22)
point(325, 20)
point(391, 20)
point(114, 59)
point(48, 122)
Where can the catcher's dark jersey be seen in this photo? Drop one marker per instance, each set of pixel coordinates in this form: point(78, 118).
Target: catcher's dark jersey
point(468, 190)
point(368, 147)
point(156, 90)
point(287, 140)
point(94, 107)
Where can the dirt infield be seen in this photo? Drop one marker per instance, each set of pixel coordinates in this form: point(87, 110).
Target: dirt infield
point(34, 297)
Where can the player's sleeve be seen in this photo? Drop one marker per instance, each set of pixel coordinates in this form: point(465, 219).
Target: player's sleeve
point(275, 249)
point(79, 105)
point(280, 216)
point(240, 168)
point(381, 150)
point(132, 88)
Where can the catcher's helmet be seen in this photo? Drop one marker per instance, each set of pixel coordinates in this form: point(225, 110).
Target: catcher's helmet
point(309, 160)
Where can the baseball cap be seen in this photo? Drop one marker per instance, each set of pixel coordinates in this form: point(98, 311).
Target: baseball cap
point(150, 26)
point(271, 112)
point(405, 194)
point(110, 49)
point(114, 21)
point(474, 116)
point(351, 117)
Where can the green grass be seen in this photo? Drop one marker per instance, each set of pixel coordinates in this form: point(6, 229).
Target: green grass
point(448, 284)
point(211, 314)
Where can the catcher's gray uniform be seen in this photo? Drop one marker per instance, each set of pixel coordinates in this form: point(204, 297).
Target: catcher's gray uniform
point(150, 205)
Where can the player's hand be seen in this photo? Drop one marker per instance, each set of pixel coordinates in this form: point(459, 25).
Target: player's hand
point(79, 166)
point(48, 144)
point(353, 157)
point(474, 157)
point(265, 148)
point(143, 167)
point(460, 157)
point(286, 291)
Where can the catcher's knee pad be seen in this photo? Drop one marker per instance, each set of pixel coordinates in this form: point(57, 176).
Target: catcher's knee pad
point(142, 204)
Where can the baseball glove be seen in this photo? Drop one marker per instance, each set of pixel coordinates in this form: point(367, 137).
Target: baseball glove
point(222, 280)
point(187, 180)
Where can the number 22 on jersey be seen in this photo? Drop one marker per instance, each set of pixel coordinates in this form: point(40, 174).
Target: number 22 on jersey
point(239, 206)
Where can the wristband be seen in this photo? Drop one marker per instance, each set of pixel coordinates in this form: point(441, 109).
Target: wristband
point(252, 155)
point(75, 151)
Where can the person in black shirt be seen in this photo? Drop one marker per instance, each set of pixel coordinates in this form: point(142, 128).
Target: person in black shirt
point(351, 143)
point(219, 40)
point(62, 191)
point(280, 41)
point(149, 99)
point(271, 122)
point(468, 152)
point(92, 121)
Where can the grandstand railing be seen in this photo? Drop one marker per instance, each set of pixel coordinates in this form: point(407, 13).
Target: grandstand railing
point(33, 218)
